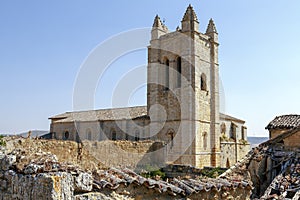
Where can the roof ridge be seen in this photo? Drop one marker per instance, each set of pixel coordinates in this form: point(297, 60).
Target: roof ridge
point(101, 109)
point(284, 121)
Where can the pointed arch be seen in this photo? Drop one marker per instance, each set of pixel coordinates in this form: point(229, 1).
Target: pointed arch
point(66, 135)
point(178, 68)
point(203, 82)
point(171, 135)
point(227, 163)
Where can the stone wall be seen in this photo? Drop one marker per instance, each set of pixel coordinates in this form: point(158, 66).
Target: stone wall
point(93, 154)
point(232, 152)
point(292, 142)
point(126, 154)
point(276, 132)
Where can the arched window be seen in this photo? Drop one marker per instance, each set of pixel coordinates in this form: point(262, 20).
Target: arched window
point(223, 128)
point(137, 135)
point(89, 134)
point(171, 135)
point(203, 82)
point(205, 140)
point(167, 78)
point(227, 163)
point(66, 135)
point(178, 61)
point(113, 134)
point(232, 133)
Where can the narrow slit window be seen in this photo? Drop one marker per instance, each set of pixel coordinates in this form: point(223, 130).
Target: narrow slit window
point(203, 82)
point(179, 72)
point(167, 76)
point(113, 134)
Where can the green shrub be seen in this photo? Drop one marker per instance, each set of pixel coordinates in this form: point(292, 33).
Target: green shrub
point(2, 141)
point(158, 173)
point(152, 172)
point(212, 172)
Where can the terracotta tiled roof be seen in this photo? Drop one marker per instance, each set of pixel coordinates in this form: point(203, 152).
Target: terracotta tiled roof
point(113, 178)
point(284, 122)
point(102, 115)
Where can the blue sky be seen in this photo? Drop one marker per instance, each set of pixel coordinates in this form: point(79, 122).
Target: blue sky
point(43, 44)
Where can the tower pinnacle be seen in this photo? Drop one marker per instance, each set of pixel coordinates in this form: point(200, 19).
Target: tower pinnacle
point(190, 21)
point(158, 28)
point(157, 22)
point(211, 31)
point(211, 28)
point(190, 14)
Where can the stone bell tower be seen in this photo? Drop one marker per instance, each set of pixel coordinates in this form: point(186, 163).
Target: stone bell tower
point(183, 90)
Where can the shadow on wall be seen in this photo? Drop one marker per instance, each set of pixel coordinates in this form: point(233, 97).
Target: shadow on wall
point(154, 158)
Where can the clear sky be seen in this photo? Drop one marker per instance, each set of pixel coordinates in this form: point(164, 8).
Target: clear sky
point(43, 44)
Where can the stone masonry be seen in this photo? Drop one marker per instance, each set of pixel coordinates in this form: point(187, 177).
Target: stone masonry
point(182, 108)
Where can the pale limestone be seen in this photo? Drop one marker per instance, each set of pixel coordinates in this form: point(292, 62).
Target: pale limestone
point(191, 128)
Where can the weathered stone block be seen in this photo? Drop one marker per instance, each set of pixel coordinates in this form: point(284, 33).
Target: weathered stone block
point(7, 161)
point(83, 182)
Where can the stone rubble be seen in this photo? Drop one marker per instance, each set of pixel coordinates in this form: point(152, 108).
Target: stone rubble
point(27, 174)
point(273, 170)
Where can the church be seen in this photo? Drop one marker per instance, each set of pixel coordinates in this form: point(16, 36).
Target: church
point(183, 109)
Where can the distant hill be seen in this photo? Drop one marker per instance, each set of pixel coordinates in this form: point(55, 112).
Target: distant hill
point(255, 141)
point(34, 133)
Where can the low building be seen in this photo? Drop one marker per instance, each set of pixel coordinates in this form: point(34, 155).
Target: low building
point(289, 140)
point(281, 124)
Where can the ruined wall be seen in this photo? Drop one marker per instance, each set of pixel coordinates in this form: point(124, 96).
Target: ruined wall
point(243, 149)
point(101, 154)
point(272, 164)
point(228, 155)
point(272, 168)
point(28, 172)
point(126, 154)
point(233, 152)
point(292, 142)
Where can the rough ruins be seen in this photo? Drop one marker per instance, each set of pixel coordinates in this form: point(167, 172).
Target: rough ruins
point(273, 167)
point(55, 169)
point(50, 169)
